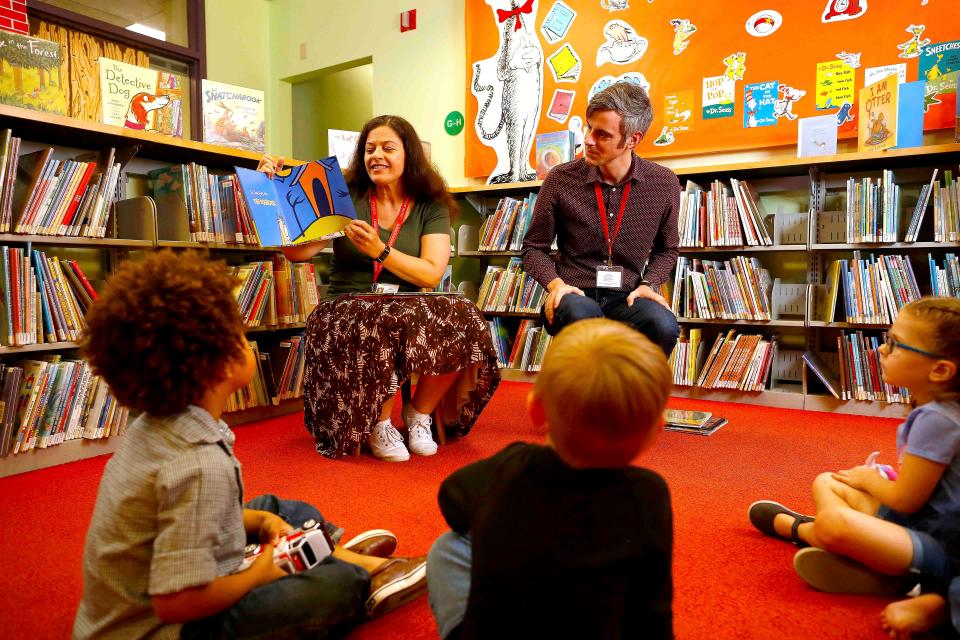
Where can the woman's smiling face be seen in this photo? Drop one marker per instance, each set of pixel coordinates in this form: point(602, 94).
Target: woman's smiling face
point(383, 156)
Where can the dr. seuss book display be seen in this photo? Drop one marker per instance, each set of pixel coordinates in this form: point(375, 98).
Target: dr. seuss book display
point(30, 73)
point(139, 98)
point(299, 204)
point(232, 116)
point(878, 115)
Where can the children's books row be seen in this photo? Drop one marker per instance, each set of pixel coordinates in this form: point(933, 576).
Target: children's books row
point(279, 376)
point(736, 289)
point(722, 217)
point(860, 376)
point(874, 288)
point(505, 229)
point(735, 361)
point(510, 289)
point(45, 298)
point(276, 292)
point(945, 280)
point(525, 351)
point(49, 401)
point(42, 195)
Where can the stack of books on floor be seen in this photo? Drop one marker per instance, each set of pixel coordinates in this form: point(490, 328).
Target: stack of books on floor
point(45, 298)
point(873, 209)
point(41, 195)
point(722, 217)
point(945, 281)
point(48, 402)
point(505, 228)
point(213, 204)
point(736, 289)
point(874, 289)
point(702, 423)
point(510, 290)
point(279, 376)
point(739, 361)
point(860, 375)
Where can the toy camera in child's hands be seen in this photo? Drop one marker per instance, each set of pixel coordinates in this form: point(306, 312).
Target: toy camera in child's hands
point(884, 470)
point(295, 551)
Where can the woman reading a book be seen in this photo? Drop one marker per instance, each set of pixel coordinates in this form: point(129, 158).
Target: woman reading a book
point(363, 341)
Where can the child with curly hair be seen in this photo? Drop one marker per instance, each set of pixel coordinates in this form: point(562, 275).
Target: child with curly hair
point(166, 541)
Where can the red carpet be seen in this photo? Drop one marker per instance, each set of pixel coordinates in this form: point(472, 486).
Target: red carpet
point(731, 582)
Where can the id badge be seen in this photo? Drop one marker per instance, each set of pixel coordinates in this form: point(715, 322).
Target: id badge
point(385, 288)
point(609, 277)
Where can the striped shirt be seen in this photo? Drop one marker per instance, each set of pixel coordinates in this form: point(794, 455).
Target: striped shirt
point(168, 517)
point(567, 208)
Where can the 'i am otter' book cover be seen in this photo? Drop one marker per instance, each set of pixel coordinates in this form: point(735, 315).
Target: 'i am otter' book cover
point(878, 115)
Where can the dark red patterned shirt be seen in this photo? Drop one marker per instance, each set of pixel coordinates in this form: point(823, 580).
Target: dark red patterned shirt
point(567, 208)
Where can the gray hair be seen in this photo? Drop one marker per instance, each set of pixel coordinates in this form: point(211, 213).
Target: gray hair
point(630, 101)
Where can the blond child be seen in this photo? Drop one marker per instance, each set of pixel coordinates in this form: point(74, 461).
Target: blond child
point(871, 534)
point(167, 537)
point(567, 539)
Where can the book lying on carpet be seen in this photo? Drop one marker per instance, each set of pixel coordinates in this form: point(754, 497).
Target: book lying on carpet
point(706, 429)
point(298, 204)
point(681, 418)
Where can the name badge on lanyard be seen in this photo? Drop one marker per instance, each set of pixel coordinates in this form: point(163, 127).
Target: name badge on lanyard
point(386, 287)
point(608, 275)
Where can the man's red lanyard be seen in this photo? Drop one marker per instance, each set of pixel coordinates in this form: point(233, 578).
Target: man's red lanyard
point(603, 218)
point(375, 223)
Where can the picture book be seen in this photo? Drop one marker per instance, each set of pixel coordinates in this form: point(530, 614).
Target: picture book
point(910, 114)
point(553, 148)
point(878, 115)
point(343, 144)
point(939, 59)
point(706, 429)
point(300, 204)
point(759, 100)
point(139, 98)
point(827, 377)
point(233, 116)
point(817, 136)
point(940, 102)
point(718, 96)
point(685, 418)
point(30, 73)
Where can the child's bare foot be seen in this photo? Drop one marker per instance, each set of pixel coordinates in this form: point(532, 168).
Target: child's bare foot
point(903, 618)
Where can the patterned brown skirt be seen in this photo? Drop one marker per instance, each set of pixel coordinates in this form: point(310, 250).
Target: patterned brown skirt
point(359, 347)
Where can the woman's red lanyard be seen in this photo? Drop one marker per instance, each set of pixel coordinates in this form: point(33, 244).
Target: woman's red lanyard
point(603, 218)
point(375, 223)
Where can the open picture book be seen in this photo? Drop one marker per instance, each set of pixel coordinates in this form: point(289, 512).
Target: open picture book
point(298, 204)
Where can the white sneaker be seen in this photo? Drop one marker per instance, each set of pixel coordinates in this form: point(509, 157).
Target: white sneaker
point(420, 438)
point(387, 443)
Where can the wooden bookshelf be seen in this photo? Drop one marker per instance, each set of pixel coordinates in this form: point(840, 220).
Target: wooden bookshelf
point(780, 170)
point(72, 134)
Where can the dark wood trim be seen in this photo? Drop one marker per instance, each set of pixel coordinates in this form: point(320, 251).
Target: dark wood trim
point(194, 55)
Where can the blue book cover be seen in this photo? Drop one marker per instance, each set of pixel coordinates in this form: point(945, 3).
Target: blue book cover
point(759, 100)
point(300, 204)
point(910, 114)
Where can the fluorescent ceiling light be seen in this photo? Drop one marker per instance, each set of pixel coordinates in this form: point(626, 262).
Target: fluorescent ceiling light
point(148, 31)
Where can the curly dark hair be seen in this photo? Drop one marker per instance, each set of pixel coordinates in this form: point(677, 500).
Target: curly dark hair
point(420, 179)
point(163, 330)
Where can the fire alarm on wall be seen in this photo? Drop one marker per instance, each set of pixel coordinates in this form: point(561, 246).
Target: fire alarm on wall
point(408, 20)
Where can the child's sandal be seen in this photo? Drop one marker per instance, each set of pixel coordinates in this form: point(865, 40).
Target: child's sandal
point(763, 512)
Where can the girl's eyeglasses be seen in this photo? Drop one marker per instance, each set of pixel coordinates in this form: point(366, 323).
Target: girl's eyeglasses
point(893, 345)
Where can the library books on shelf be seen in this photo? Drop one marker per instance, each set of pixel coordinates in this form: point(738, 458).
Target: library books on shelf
point(75, 199)
point(824, 277)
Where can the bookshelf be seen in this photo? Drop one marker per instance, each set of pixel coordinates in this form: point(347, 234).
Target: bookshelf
point(797, 193)
point(137, 226)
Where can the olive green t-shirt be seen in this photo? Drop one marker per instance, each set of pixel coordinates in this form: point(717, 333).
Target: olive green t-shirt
point(351, 271)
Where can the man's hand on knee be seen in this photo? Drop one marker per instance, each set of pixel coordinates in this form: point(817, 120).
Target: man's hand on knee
point(555, 292)
point(645, 291)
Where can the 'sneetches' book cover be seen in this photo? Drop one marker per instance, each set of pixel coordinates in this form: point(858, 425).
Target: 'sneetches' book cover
point(300, 204)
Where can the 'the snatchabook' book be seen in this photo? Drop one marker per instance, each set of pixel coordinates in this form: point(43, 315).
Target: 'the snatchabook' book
point(299, 204)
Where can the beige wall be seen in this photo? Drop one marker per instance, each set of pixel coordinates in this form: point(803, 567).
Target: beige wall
point(341, 100)
point(418, 75)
